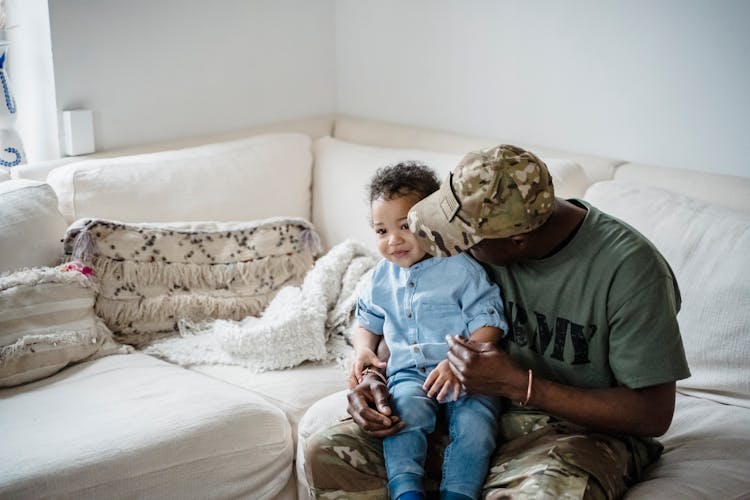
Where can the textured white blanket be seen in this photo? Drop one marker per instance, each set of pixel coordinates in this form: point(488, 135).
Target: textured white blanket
point(311, 322)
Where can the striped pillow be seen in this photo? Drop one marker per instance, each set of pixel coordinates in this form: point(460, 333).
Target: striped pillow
point(47, 321)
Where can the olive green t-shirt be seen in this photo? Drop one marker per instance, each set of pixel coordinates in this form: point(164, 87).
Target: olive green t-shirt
point(600, 312)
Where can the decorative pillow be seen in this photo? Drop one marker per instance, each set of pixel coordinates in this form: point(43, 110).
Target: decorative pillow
point(707, 247)
point(345, 213)
point(210, 182)
point(47, 321)
point(153, 275)
point(30, 226)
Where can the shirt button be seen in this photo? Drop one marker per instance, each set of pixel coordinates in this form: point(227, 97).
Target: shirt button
point(491, 311)
point(408, 315)
point(421, 369)
point(411, 284)
point(416, 349)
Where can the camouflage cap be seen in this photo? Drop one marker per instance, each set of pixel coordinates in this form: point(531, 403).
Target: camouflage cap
point(493, 193)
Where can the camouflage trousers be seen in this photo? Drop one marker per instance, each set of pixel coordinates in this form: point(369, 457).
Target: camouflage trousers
point(538, 458)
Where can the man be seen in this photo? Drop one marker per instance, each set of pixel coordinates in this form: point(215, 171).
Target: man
point(593, 353)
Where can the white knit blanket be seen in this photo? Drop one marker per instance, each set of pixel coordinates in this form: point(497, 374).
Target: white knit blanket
point(311, 322)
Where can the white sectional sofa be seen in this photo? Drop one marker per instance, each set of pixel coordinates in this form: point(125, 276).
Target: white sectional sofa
point(132, 425)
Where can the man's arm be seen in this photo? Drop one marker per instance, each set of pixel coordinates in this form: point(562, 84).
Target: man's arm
point(485, 369)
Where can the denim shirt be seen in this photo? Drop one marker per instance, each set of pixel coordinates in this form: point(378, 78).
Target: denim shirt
point(416, 308)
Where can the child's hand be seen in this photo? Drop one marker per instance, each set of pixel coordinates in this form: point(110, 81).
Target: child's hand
point(362, 359)
point(443, 383)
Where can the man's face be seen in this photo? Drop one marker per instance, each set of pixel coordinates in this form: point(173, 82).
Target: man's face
point(499, 251)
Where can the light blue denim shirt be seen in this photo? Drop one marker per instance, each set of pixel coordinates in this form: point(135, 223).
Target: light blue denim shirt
point(416, 308)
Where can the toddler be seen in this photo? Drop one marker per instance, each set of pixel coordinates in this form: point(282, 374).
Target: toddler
point(413, 302)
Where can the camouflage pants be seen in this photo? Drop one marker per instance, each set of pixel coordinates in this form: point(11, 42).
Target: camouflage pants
point(538, 458)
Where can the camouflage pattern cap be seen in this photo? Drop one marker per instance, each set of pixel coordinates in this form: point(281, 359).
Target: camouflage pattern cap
point(497, 192)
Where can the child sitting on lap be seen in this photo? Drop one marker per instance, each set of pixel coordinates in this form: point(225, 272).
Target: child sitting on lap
point(413, 302)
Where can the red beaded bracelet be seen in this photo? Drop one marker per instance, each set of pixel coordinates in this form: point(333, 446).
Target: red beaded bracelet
point(373, 371)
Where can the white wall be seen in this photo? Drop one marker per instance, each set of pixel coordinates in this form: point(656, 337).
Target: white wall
point(155, 70)
point(665, 82)
point(655, 81)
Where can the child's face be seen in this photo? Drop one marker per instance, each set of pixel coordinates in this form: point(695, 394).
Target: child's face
point(395, 242)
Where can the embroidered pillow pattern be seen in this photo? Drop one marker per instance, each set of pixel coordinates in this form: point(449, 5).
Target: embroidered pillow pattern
point(153, 275)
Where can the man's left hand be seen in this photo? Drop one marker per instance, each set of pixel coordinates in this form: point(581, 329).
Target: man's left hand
point(483, 368)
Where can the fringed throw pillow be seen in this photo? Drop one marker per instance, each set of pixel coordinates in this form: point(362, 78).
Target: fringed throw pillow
point(153, 275)
point(47, 322)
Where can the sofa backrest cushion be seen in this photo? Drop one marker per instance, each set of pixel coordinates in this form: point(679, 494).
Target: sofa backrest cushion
point(47, 321)
point(707, 247)
point(729, 191)
point(263, 176)
point(31, 226)
point(343, 170)
point(394, 135)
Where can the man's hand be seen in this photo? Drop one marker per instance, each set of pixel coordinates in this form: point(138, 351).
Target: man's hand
point(442, 383)
point(483, 368)
point(369, 406)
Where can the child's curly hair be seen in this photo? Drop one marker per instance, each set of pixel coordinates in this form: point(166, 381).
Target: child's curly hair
point(402, 179)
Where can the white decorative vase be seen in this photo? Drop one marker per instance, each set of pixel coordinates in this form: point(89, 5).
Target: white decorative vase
point(11, 147)
point(12, 153)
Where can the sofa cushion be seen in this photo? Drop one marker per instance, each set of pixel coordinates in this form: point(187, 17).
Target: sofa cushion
point(134, 426)
point(707, 247)
point(282, 388)
point(47, 321)
point(31, 226)
point(396, 135)
point(263, 176)
point(729, 191)
point(154, 275)
point(344, 213)
point(706, 454)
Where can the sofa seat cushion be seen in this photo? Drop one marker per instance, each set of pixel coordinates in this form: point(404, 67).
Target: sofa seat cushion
point(707, 247)
point(293, 390)
point(134, 426)
point(706, 454)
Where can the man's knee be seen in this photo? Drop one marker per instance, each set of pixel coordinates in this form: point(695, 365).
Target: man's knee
point(315, 447)
point(555, 461)
point(331, 452)
point(344, 458)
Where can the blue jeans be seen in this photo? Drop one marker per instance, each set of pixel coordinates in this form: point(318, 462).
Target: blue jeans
point(472, 427)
